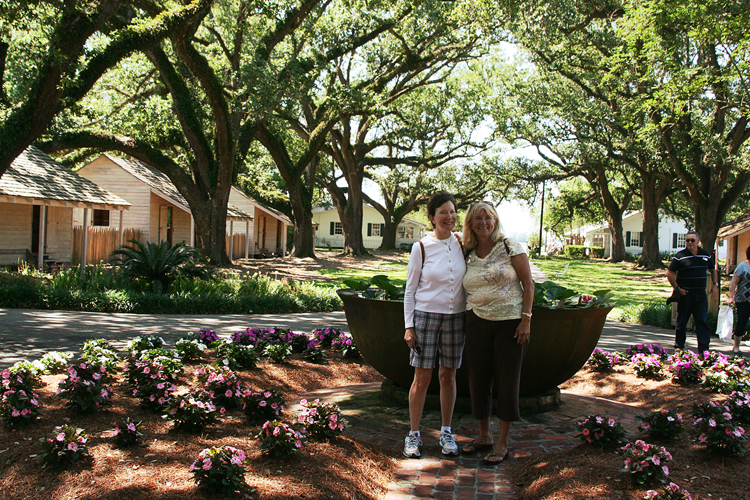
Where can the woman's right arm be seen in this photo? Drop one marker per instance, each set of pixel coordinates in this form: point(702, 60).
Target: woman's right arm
point(413, 275)
point(733, 287)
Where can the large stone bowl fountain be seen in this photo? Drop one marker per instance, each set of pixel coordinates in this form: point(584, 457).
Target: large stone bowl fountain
point(562, 340)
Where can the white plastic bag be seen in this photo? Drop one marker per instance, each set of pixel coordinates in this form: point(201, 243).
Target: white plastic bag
point(725, 323)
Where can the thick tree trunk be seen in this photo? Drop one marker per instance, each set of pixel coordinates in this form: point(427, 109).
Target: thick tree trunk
point(389, 234)
point(210, 230)
point(304, 235)
point(653, 194)
point(618, 241)
point(351, 222)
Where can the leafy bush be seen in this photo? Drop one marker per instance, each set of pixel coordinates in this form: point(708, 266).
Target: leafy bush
point(130, 297)
point(18, 408)
point(55, 362)
point(127, 432)
point(656, 313)
point(599, 430)
point(262, 405)
point(191, 414)
point(278, 353)
point(321, 420)
point(647, 349)
point(596, 252)
point(670, 492)
point(189, 349)
point(84, 389)
point(234, 356)
point(220, 469)
point(646, 462)
point(64, 445)
point(686, 368)
point(719, 431)
point(603, 361)
point(575, 252)
point(158, 264)
point(663, 424)
point(278, 439)
point(647, 366)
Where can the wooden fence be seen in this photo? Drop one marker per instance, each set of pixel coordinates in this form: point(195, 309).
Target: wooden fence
point(102, 240)
point(238, 244)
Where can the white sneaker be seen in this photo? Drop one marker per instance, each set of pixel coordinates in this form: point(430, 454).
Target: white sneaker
point(448, 444)
point(411, 446)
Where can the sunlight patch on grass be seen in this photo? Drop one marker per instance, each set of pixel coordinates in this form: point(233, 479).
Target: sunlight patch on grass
point(624, 283)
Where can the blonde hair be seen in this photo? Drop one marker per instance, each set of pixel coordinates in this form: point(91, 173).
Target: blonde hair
point(469, 237)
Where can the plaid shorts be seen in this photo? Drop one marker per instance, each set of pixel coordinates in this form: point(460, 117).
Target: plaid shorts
point(438, 334)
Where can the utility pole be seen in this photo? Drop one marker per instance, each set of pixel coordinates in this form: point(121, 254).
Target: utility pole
point(541, 220)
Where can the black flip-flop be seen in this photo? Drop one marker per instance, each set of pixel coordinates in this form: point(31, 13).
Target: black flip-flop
point(488, 460)
point(473, 447)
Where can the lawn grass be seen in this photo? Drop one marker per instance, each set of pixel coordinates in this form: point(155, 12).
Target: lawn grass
point(394, 267)
point(629, 287)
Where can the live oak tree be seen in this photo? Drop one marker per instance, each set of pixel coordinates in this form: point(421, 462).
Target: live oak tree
point(192, 107)
point(400, 107)
point(674, 73)
point(53, 52)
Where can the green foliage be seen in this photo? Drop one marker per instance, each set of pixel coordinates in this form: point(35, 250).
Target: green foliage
point(550, 295)
point(655, 313)
point(575, 251)
point(230, 295)
point(158, 264)
point(64, 445)
point(385, 288)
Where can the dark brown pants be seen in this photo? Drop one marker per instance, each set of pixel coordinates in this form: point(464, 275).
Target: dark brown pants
point(493, 355)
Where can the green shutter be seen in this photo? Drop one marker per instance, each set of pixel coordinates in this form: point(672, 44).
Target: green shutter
point(674, 240)
point(627, 238)
point(333, 225)
point(369, 229)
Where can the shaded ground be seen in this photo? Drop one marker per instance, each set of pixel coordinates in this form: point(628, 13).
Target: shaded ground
point(158, 468)
point(584, 472)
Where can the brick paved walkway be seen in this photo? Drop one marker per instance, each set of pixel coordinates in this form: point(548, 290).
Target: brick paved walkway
point(465, 476)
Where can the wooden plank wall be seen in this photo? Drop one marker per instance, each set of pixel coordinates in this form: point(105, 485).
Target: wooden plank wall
point(102, 240)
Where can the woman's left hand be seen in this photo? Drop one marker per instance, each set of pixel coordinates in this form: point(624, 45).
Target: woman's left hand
point(523, 332)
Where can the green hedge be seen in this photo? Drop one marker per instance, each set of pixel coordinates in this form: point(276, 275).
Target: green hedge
point(23, 296)
point(596, 252)
point(575, 251)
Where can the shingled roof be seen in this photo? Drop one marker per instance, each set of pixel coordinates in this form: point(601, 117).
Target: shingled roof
point(734, 227)
point(35, 178)
point(161, 183)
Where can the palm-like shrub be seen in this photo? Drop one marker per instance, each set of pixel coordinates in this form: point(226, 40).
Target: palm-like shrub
point(157, 263)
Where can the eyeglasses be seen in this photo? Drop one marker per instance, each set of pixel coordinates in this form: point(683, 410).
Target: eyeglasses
point(484, 201)
point(691, 240)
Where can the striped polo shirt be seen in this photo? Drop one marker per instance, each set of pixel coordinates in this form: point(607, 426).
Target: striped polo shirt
point(691, 269)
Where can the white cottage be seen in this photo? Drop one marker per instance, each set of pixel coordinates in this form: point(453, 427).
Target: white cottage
point(37, 200)
point(671, 236)
point(161, 213)
point(329, 231)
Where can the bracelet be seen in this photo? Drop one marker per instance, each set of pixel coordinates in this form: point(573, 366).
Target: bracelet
point(526, 314)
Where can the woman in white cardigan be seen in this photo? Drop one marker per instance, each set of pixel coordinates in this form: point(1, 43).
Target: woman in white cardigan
point(434, 305)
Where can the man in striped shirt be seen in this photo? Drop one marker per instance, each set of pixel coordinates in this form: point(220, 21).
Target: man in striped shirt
point(687, 275)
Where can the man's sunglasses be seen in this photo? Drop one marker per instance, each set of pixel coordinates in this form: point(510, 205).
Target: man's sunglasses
point(691, 240)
